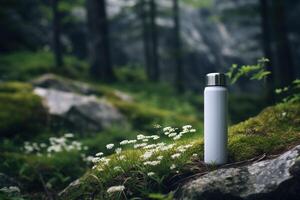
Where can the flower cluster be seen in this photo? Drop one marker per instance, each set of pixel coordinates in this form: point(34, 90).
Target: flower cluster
point(10, 189)
point(56, 144)
point(150, 147)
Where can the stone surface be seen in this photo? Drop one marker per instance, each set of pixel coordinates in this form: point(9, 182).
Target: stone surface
point(52, 81)
point(86, 113)
point(277, 178)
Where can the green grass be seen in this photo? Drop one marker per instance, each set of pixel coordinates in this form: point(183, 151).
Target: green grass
point(27, 65)
point(274, 130)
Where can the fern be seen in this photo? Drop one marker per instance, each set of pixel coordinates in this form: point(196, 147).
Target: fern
point(253, 72)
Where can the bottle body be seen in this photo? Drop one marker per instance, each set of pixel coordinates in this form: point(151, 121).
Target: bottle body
point(215, 125)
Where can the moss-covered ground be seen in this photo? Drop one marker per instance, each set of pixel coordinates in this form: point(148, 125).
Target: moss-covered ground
point(274, 130)
point(24, 119)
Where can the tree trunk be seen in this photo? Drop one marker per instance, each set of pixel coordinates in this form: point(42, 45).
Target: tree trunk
point(57, 47)
point(155, 73)
point(266, 43)
point(143, 13)
point(99, 44)
point(285, 73)
point(177, 49)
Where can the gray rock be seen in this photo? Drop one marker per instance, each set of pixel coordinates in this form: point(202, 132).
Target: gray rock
point(86, 113)
point(277, 178)
point(53, 81)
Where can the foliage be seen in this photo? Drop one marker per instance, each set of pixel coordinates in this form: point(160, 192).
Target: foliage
point(27, 65)
point(21, 112)
point(274, 129)
point(290, 93)
point(131, 74)
point(254, 72)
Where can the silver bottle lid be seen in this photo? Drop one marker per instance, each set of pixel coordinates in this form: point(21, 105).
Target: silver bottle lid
point(215, 79)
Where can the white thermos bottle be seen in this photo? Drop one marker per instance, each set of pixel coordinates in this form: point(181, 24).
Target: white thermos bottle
point(215, 119)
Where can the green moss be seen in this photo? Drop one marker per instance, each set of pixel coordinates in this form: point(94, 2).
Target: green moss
point(145, 117)
point(274, 130)
point(12, 87)
point(20, 110)
point(56, 171)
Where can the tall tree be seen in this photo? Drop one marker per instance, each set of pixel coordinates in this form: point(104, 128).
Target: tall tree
point(267, 47)
point(154, 72)
point(177, 48)
point(57, 46)
point(283, 51)
point(99, 44)
point(143, 13)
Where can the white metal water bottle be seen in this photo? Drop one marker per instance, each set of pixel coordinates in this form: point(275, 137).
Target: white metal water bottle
point(215, 119)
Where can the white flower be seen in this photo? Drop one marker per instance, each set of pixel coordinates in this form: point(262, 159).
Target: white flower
point(139, 145)
point(140, 137)
point(167, 128)
point(122, 157)
point(150, 146)
point(151, 173)
point(176, 155)
point(99, 154)
point(69, 135)
point(95, 159)
point(152, 163)
point(177, 137)
point(173, 166)
point(160, 157)
point(195, 155)
point(155, 137)
point(147, 155)
point(124, 142)
point(43, 145)
point(193, 130)
point(187, 127)
point(110, 146)
point(10, 189)
point(117, 168)
point(118, 150)
point(157, 126)
point(172, 134)
point(118, 188)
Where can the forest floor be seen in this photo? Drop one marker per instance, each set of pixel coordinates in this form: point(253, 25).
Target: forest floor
point(38, 174)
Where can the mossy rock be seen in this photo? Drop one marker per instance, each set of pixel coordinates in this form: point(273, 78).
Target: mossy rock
point(273, 131)
point(20, 110)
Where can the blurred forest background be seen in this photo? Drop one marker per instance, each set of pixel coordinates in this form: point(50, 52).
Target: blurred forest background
point(108, 69)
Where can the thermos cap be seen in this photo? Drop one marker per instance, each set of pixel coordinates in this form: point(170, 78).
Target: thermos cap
point(215, 79)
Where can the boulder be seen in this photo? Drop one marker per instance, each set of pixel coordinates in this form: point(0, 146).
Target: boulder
point(81, 112)
point(52, 81)
point(277, 178)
